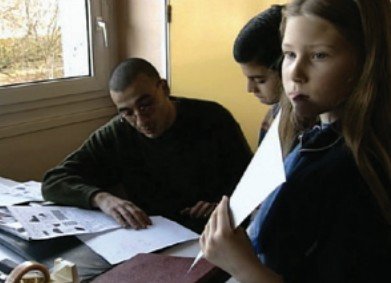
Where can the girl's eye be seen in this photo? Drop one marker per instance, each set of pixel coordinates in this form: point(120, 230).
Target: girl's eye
point(320, 55)
point(289, 55)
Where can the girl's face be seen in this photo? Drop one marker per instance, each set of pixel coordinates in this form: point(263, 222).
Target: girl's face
point(318, 68)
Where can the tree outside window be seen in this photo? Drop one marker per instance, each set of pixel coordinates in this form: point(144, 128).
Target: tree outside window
point(43, 40)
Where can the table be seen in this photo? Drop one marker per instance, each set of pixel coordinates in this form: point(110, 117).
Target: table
point(186, 249)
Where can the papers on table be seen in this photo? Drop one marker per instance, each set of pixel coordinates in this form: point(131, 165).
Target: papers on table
point(7, 182)
point(122, 244)
point(45, 222)
point(264, 174)
point(12, 192)
point(9, 223)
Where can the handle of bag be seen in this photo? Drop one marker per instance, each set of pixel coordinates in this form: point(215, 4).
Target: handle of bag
point(20, 270)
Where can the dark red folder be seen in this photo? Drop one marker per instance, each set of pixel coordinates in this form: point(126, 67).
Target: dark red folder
point(157, 268)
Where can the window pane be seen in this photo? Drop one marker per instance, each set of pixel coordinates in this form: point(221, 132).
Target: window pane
point(43, 40)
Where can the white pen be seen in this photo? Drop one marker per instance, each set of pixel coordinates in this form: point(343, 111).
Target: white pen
point(197, 259)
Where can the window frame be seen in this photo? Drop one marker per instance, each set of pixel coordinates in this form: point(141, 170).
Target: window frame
point(29, 92)
point(29, 108)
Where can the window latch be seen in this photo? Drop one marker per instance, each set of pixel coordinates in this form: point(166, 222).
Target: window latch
point(101, 25)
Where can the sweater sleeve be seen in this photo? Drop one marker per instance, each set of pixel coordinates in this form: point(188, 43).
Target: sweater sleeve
point(89, 169)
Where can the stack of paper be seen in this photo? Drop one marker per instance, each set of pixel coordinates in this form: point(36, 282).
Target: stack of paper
point(12, 192)
point(46, 222)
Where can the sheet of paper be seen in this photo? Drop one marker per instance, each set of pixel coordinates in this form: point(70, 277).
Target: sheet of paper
point(45, 222)
point(264, 174)
point(12, 192)
point(122, 244)
point(7, 182)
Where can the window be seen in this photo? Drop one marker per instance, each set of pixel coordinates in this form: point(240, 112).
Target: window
point(55, 58)
point(39, 42)
point(51, 43)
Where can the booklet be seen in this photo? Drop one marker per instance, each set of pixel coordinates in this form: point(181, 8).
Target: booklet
point(46, 222)
point(9, 224)
point(89, 263)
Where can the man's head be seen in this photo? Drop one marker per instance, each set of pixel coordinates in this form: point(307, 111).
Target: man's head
point(142, 97)
point(257, 49)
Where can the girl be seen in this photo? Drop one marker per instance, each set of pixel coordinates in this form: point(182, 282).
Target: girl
point(331, 220)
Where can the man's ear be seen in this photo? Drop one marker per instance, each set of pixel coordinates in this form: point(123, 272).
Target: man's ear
point(166, 88)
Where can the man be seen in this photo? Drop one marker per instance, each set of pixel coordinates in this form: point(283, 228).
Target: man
point(257, 49)
point(161, 155)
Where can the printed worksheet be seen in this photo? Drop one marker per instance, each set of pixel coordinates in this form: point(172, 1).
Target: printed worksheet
point(9, 223)
point(45, 222)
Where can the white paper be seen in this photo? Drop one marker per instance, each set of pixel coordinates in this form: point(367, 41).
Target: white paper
point(122, 244)
point(45, 222)
point(12, 192)
point(262, 176)
point(7, 182)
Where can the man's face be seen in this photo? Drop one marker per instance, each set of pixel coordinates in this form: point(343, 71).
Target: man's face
point(145, 105)
point(263, 82)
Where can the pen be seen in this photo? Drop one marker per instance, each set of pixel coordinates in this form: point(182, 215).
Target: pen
point(197, 259)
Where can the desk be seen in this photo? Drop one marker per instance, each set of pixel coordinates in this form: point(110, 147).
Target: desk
point(187, 249)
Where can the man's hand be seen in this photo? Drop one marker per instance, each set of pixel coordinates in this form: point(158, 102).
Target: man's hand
point(124, 212)
point(200, 209)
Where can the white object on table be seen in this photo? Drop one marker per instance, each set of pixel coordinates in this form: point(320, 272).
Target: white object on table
point(122, 244)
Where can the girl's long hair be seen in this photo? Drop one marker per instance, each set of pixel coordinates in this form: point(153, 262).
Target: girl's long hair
point(366, 116)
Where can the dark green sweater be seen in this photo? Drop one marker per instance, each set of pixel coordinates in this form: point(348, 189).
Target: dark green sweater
point(201, 157)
